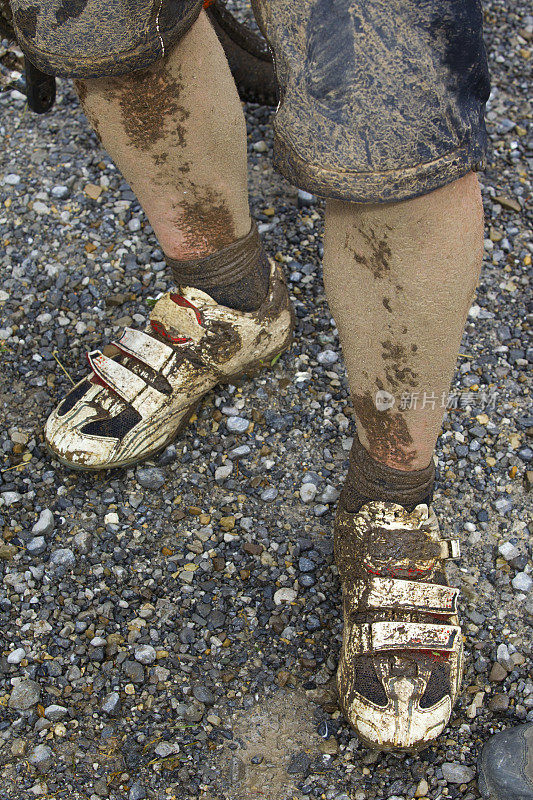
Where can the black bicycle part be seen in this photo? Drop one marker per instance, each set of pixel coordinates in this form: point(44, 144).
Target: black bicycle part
point(248, 55)
point(40, 88)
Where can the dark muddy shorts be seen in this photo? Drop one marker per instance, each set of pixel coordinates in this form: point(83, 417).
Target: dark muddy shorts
point(381, 100)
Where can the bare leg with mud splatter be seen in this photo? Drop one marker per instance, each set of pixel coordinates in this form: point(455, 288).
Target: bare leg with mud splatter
point(177, 133)
point(400, 279)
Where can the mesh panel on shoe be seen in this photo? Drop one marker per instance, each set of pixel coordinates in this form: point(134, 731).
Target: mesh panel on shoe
point(437, 687)
point(113, 427)
point(366, 681)
point(72, 398)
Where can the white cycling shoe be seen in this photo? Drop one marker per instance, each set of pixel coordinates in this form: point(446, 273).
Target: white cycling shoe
point(401, 661)
point(145, 386)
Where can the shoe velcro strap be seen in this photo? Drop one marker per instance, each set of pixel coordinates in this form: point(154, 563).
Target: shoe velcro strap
point(145, 348)
point(380, 636)
point(393, 594)
point(450, 548)
point(129, 386)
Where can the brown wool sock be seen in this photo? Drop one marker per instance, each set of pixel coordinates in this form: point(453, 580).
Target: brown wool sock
point(237, 276)
point(369, 480)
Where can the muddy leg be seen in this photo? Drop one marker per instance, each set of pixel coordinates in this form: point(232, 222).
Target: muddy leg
point(400, 279)
point(177, 133)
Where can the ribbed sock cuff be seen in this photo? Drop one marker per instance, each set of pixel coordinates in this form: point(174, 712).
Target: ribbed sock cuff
point(369, 479)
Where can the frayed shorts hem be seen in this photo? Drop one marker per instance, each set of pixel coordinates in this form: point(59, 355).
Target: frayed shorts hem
point(374, 187)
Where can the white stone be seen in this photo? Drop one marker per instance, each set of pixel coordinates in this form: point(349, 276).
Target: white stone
point(145, 654)
point(308, 492)
point(16, 656)
point(10, 498)
point(522, 582)
point(12, 179)
point(55, 712)
point(457, 773)
point(327, 357)
point(45, 524)
point(165, 749)
point(223, 472)
point(237, 424)
point(285, 595)
point(508, 551)
point(60, 191)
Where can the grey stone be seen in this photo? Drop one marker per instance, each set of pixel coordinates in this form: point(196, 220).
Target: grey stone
point(239, 452)
point(16, 656)
point(55, 712)
point(42, 758)
point(165, 749)
point(308, 492)
point(503, 505)
point(150, 477)
point(204, 695)
point(63, 559)
point(36, 546)
point(134, 670)
point(82, 542)
point(10, 498)
point(327, 357)
point(269, 494)
point(168, 456)
point(329, 495)
point(25, 695)
point(145, 654)
point(453, 772)
point(45, 524)
point(522, 582)
point(237, 424)
point(137, 792)
point(223, 472)
point(320, 509)
point(111, 704)
point(60, 192)
point(299, 763)
point(498, 673)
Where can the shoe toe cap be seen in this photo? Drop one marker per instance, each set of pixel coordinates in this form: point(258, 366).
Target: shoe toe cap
point(400, 725)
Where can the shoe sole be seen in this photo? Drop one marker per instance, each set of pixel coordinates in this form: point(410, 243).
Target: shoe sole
point(251, 370)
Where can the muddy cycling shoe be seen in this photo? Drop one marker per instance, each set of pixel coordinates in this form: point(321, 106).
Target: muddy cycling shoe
point(400, 666)
point(505, 769)
point(144, 388)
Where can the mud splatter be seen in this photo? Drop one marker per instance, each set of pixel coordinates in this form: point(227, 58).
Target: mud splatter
point(205, 222)
point(26, 21)
point(148, 99)
point(270, 733)
point(377, 259)
point(387, 432)
point(81, 89)
point(70, 9)
point(397, 371)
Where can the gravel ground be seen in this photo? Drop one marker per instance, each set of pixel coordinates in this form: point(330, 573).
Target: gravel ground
point(171, 631)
